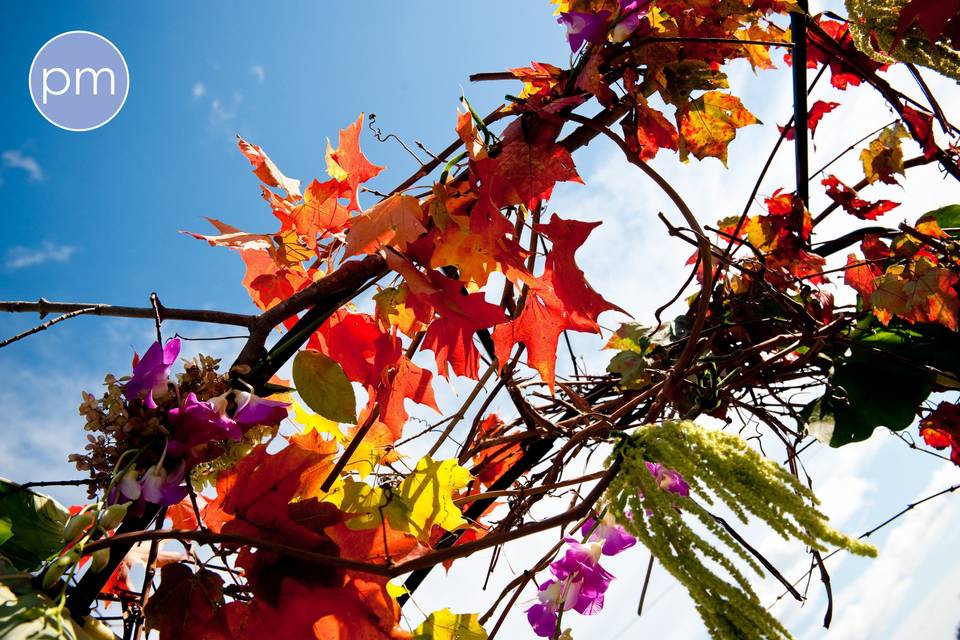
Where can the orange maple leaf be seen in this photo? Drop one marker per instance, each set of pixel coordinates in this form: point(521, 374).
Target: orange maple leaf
point(923, 293)
point(395, 221)
point(347, 165)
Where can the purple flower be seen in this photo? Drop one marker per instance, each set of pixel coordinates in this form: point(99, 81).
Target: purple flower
point(580, 564)
point(253, 410)
point(669, 480)
point(613, 536)
point(631, 11)
point(150, 372)
point(157, 485)
point(163, 488)
point(589, 27)
point(197, 424)
point(580, 583)
point(554, 596)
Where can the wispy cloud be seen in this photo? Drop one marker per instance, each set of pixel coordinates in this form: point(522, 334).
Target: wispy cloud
point(258, 73)
point(20, 257)
point(13, 159)
point(199, 90)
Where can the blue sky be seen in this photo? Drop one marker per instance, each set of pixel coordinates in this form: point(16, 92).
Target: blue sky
point(94, 217)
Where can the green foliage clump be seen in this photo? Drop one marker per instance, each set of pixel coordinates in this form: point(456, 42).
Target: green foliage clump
point(718, 466)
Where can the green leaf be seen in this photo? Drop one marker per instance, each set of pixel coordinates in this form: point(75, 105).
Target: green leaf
point(632, 368)
point(868, 390)
point(6, 529)
point(947, 217)
point(27, 614)
point(33, 526)
point(324, 386)
point(444, 625)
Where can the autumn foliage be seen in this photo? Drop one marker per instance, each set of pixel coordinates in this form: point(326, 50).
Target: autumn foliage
point(310, 507)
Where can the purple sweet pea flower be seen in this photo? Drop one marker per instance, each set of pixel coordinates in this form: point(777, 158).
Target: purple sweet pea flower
point(631, 11)
point(580, 565)
point(554, 596)
point(613, 536)
point(585, 27)
point(669, 480)
point(163, 488)
point(151, 371)
point(253, 410)
point(157, 485)
point(580, 583)
point(196, 424)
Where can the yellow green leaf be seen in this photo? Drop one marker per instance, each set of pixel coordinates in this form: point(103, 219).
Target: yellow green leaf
point(324, 386)
point(428, 492)
point(444, 625)
point(423, 500)
point(313, 422)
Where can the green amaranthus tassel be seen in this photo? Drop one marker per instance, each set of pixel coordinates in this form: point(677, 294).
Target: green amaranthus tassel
point(874, 22)
point(717, 466)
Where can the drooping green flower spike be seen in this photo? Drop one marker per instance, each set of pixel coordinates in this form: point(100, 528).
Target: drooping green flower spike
point(718, 466)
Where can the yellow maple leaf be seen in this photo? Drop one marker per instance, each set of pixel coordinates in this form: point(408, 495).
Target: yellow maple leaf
point(710, 123)
point(884, 156)
point(313, 422)
point(423, 500)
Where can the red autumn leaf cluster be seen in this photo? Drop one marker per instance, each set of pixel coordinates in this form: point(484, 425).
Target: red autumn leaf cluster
point(941, 429)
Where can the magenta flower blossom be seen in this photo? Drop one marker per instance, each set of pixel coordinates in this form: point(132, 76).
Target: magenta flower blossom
point(614, 537)
point(669, 480)
point(196, 424)
point(631, 12)
point(253, 410)
point(554, 596)
point(585, 27)
point(580, 564)
point(580, 584)
point(151, 371)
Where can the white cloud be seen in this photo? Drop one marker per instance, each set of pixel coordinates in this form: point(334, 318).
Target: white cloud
point(20, 257)
point(13, 159)
point(258, 73)
point(871, 603)
point(199, 90)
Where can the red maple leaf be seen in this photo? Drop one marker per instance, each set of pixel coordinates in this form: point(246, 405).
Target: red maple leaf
point(854, 204)
point(647, 130)
point(358, 608)
point(921, 125)
point(559, 300)
point(582, 304)
point(321, 212)
point(188, 605)
point(842, 74)
point(375, 359)
point(460, 316)
point(492, 462)
point(814, 114)
point(529, 164)
point(256, 495)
